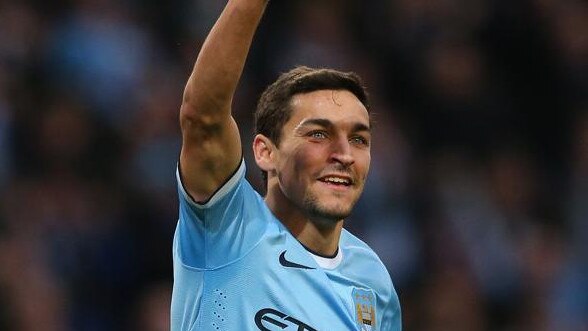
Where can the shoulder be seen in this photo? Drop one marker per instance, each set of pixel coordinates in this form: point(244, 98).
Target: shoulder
point(223, 229)
point(369, 272)
point(351, 243)
point(366, 263)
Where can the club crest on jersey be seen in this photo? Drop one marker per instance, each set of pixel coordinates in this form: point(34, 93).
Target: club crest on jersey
point(364, 302)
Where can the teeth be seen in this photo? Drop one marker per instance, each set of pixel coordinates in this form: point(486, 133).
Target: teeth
point(336, 180)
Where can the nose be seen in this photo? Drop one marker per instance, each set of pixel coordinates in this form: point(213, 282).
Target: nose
point(341, 152)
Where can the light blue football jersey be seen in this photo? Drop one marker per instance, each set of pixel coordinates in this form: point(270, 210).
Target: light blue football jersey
point(237, 268)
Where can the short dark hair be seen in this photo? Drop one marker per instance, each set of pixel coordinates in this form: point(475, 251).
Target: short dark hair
point(274, 108)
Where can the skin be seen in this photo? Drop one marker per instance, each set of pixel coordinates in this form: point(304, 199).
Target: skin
point(328, 134)
point(321, 138)
point(211, 145)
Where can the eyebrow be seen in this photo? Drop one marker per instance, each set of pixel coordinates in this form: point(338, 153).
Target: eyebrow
point(325, 123)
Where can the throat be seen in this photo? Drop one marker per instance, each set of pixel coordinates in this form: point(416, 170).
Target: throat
point(317, 238)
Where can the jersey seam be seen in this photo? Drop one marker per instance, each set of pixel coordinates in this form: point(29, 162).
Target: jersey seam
point(384, 312)
point(192, 268)
point(231, 183)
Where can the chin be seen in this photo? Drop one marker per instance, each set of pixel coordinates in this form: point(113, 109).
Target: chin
point(332, 213)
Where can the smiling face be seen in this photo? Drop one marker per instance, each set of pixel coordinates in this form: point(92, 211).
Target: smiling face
point(323, 157)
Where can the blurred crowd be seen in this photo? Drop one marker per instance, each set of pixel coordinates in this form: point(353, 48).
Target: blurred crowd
point(477, 200)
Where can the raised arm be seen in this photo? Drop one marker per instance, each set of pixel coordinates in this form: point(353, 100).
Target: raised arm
point(211, 147)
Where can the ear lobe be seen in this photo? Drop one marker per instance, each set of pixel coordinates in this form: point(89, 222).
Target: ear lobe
point(263, 149)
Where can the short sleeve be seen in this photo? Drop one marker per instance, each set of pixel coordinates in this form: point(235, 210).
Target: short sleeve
point(221, 230)
point(392, 318)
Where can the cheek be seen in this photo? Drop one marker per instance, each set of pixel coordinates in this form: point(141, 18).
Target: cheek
point(309, 159)
point(363, 164)
point(303, 161)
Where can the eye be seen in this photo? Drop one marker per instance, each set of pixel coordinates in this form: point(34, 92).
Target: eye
point(317, 134)
point(359, 140)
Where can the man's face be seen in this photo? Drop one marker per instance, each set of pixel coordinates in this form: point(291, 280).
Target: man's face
point(324, 153)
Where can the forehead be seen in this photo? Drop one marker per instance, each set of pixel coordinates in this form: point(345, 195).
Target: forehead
point(334, 105)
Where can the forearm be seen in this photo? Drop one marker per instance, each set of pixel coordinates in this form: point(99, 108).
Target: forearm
point(211, 148)
point(215, 76)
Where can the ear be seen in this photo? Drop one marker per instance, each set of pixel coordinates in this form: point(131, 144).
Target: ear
point(264, 151)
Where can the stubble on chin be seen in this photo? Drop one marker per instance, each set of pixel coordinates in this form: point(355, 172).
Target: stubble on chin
point(317, 211)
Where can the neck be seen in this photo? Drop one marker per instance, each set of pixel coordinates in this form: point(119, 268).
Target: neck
point(319, 235)
point(324, 240)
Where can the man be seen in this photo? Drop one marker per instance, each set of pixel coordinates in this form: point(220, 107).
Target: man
point(283, 261)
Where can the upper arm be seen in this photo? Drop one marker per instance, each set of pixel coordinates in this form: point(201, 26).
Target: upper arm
point(211, 147)
point(211, 150)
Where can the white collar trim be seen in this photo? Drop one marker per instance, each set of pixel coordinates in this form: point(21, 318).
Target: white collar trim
point(328, 263)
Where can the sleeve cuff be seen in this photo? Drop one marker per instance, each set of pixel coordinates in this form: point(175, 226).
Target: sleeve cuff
point(220, 193)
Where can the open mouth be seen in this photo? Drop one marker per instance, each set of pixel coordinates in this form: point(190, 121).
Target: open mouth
point(337, 180)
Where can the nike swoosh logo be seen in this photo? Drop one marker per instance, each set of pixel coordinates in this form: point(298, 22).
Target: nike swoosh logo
point(290, 264)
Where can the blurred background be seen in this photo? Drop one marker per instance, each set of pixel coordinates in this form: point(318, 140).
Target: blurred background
point(477, 199)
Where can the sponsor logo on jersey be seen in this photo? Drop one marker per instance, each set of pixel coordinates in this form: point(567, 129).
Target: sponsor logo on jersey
point(290, 264)
point(364, 302)
point(269, 319)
